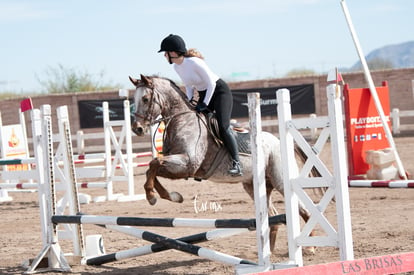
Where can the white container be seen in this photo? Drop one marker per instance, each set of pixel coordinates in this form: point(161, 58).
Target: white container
point(387, 173)
point(4, 196)
point(94, 246)
point(84, 198)
point(380, 158)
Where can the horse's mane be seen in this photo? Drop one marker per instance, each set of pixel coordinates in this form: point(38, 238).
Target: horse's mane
point(176, 88)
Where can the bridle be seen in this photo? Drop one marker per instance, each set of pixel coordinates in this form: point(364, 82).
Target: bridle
point(148, 117)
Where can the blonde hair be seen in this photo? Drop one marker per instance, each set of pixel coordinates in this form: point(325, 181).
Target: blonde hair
point(193, 53)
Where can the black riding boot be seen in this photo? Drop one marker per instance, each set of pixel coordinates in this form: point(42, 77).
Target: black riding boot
point(235, 169)
point(231, 144)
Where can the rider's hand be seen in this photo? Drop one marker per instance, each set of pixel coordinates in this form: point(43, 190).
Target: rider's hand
point(201, 107)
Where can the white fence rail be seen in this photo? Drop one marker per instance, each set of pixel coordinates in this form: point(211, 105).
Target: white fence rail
point(143, 143)
point(396, 114)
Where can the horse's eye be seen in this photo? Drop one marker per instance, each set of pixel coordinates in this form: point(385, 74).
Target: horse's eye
point(145, 100)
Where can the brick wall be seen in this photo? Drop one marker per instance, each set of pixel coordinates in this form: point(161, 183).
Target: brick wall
point(400, 84)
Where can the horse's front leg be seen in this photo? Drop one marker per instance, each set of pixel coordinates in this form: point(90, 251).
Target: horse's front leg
point(172, 167)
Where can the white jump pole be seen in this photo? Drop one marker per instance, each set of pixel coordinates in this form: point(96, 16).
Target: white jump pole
point(373, 89)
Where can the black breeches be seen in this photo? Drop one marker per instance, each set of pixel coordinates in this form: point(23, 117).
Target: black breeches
point(222, 104)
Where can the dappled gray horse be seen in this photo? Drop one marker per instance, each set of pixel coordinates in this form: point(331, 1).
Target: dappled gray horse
point(190, 150)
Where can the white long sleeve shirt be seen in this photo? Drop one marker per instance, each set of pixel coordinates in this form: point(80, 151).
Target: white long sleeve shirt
point(195, 74)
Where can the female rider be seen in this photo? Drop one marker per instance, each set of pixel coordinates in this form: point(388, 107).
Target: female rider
point(214, 93)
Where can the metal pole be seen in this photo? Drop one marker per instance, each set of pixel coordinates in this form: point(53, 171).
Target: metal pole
point(373, 90)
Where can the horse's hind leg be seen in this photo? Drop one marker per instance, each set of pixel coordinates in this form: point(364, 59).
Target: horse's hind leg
point(272, 212)
point(273, 229)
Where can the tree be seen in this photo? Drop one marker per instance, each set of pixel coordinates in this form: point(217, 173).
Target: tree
point(8, 95)
point(68, 80)
point(300, 72)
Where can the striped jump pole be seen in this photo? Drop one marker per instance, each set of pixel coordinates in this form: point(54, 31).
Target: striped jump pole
point(158, 247)
point(102, 155)
point(188, 248)
point(22, 186)
point(17, 161)
point(163, 243)
point(192, 249)
point(164, 222)
point(382, 183)
point(101, 167)
point(27, 185)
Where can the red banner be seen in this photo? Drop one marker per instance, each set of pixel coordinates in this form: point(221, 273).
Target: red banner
point(364, 127)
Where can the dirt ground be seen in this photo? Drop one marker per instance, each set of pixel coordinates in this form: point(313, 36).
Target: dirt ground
point(382, 224)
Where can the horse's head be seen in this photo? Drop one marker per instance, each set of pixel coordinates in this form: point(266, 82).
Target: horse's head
point(147, 108)
point(157, 97)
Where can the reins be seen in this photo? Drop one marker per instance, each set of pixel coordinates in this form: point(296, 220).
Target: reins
point(166, 121)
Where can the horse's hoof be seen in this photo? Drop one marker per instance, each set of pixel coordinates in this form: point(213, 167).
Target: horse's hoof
point(176, 197)
point(152, 201)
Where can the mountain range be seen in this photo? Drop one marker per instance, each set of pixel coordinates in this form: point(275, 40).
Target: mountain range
point(398, 55)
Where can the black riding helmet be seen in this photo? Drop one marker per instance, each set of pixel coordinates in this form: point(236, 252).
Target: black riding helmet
point(173, 43)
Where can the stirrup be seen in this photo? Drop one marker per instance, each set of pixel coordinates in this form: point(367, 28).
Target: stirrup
point(235, 170)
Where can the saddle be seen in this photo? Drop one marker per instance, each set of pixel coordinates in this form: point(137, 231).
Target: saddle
point(241, 134)
point(242, 138)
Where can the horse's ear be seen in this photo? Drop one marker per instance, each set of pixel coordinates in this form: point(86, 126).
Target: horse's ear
point(134, 81)
point(147, 81)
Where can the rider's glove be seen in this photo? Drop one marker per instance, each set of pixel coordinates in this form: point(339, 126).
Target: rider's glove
point(201, 107)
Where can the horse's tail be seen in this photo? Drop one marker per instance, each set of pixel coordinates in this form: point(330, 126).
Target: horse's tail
point(314, 172)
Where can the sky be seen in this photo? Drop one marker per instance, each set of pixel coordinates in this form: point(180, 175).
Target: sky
point(240, 39)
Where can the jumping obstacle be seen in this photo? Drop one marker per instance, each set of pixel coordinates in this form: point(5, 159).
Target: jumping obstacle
point(262, 222)
point(165, 222)
point(183, 244)
point(43, 151)
point(14, 145)
point(158, 247)
point(55, 167)
point(180, 245)
point(242, 267)
point(121, 160)
point(333, 238)
point(296, 182)
point(107, 171)
point(337, 183)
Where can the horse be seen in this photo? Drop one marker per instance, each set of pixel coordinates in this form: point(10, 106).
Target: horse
point(191, 150)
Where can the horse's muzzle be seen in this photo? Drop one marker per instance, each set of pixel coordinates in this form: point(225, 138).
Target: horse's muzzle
point(137, 128)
